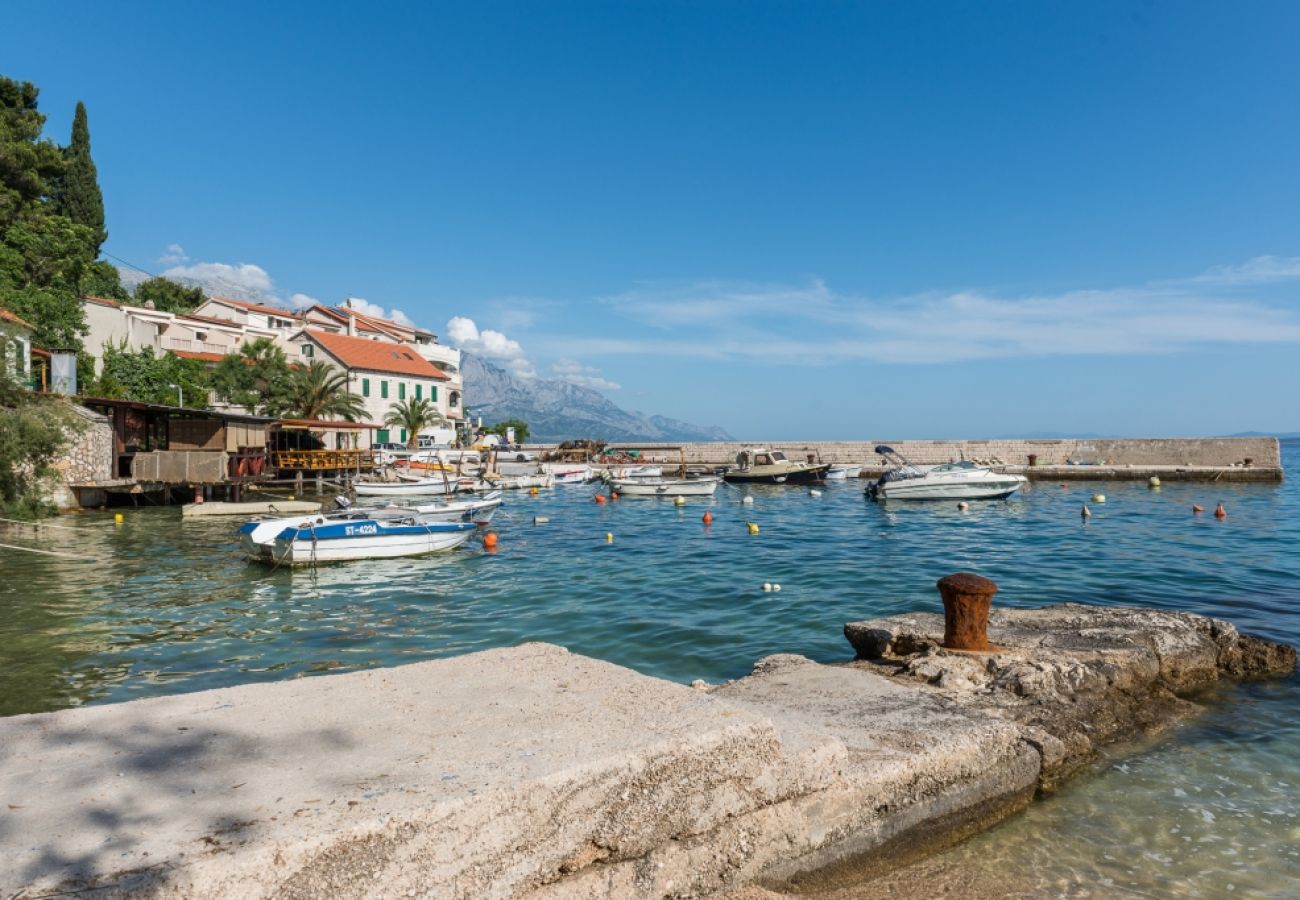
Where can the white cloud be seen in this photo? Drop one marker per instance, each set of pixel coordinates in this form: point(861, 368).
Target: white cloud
point(174, 255)
point(366, 308)
point(574, 372)
point(494, 345)
point(812, 324)
point(302, 301)
point(1260, 270)
point(242, 281)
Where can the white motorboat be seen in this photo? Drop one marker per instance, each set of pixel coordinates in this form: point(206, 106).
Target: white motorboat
point(961, 480)
point(494, 482)
point(664, 487)
point(406, 487)
point(372, 538)
point(257, 536)
point(840, 473)
point(571, 474)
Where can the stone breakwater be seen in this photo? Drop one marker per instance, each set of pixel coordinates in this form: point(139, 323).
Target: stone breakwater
point(1219, 459)
point(533, 772)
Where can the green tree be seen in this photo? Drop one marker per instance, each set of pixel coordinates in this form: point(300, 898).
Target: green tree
point(75, 194)
point(101, 279)
point(34, 429)
point(140, 375)
point(415, 416)
point(257, 378)
point(27, 164)
point(520, 427)
point(44, 257)
point(169, 295)
point(319, 391)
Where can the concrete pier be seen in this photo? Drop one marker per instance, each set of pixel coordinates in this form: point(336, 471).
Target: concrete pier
point(533, 772)
point(1063, 459)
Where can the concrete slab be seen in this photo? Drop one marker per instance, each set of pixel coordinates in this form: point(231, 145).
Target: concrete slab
point(250, 509)
point(481, 776)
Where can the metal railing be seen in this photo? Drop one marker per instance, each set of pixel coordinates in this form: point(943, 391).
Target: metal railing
point(322, 460)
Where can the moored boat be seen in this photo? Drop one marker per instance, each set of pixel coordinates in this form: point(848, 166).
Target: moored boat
point(962, 480)
point(372, 538)
point(406, 487)
point(840, 473)
point(759, 465)
point(664, 487)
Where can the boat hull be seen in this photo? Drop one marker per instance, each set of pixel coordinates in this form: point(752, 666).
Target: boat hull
point(423, 488)
point(366, 539)
point(793, 475)
point(664, 487)
point(987, 489)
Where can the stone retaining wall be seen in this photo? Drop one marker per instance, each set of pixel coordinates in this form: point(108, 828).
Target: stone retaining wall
point(88, 458)
point(1263, 452)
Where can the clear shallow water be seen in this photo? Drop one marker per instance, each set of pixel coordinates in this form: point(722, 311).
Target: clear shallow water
point(160, 606)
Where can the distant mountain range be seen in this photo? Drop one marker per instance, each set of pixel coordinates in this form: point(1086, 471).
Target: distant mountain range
point(556, 410)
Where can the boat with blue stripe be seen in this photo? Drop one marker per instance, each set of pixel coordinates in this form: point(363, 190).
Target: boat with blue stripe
point(338, 541)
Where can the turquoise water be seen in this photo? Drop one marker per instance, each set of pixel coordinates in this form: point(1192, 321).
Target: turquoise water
point(159, 605)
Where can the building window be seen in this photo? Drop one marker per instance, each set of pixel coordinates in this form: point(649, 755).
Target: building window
point(433, 393)
point(401, 392)
point(403, 435)
point(418, 388)
point(381, 436)
point(453, 399)
point(308, 351)
point(383, 390)
point(365, 387)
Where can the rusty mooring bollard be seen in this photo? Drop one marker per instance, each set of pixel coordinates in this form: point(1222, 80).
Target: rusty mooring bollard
point(966, 600)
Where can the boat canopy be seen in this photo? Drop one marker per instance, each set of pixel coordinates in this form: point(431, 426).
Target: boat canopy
point(883, 450)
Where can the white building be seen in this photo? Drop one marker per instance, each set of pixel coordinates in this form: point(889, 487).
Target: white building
point(190, 336)
point(382, 373)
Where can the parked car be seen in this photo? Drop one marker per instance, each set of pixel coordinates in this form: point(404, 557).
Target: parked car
point(517, 453)
point(386, 452)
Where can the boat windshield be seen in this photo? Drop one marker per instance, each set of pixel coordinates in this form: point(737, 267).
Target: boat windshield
point(778, 456)
point(964, 465)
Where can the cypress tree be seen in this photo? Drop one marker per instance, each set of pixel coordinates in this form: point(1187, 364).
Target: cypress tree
point(78, 196)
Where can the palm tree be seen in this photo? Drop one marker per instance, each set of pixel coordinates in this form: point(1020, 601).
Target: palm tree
point(318, 391)
point(414, 416)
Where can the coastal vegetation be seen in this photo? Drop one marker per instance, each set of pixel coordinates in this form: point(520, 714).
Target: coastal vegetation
point(502, 427)
point(34, 429)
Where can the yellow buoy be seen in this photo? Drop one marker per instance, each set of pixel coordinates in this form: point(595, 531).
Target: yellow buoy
point(752, 526)
point(291, 496)
point(119, 518)
point(1098, 498)
point(1153, 482)
point(679, 501)
point(532, 492)
point(609, 537)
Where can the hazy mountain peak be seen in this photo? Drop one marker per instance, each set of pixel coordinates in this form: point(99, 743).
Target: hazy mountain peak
point(558, 410)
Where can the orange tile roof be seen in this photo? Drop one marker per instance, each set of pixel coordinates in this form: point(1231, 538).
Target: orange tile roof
point(258, 307)
point(375, 356)
point(105, 301)
point(10, 317)
point(197, 354)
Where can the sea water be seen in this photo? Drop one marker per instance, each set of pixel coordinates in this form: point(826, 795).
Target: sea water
point(160, 605)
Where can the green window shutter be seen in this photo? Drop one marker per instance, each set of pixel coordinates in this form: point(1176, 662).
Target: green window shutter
point(381, 436)
point(365, 387)
point(383, 390)
point(433, 393)
point(403, 435)
point(418, 388)
point(401, 390)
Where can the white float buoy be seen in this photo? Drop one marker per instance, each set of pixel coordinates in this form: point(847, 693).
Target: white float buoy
point(814, 493)
point(540, 520)
point(963, 506)
point(1153, 482)
point(679, 501)
point(747, 500)
point(776, 587)
point(1098, 498)
point(767, 585)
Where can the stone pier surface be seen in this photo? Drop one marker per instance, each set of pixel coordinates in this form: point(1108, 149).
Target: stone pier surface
point(533, 772)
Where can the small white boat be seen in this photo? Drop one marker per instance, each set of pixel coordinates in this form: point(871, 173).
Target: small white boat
point(372, 538)
point(840, 473)
point(494, 482)
point(951, 481)
point(664, 487)
point(406, 487)
point(577, 475)
point(257, 536)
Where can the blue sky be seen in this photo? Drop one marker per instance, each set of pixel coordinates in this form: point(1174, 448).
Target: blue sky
point(792, 220)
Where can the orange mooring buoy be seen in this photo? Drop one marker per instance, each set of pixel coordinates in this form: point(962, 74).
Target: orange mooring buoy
point(1220, 512)
point(599, 498)
point(490, 541)
point(1197, 509)
point(707, 517)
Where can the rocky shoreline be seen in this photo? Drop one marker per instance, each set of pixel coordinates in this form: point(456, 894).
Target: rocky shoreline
point(532, 772)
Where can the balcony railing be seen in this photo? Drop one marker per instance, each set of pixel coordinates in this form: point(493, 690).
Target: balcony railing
point(322, 460)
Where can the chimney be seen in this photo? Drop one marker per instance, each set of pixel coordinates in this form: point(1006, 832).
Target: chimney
point(352, 324)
